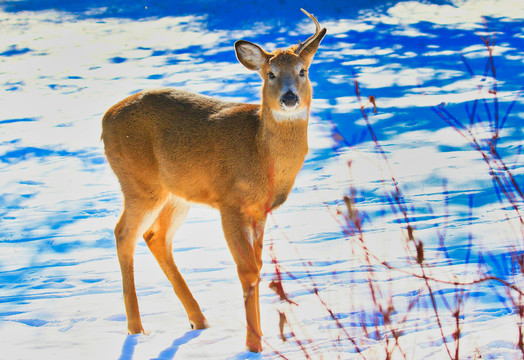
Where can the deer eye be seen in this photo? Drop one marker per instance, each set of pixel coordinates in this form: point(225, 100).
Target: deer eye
point(302, 73)
point(271, 75)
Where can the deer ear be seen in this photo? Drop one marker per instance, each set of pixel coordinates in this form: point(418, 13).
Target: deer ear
point(309, 51)
point(250, 55)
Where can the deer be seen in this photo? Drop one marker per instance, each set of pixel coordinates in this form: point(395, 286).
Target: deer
point(171, 148)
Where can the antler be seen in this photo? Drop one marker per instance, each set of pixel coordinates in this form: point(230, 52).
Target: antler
point(303, 45)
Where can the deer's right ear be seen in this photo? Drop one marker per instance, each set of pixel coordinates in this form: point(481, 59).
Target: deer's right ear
point(250, 55)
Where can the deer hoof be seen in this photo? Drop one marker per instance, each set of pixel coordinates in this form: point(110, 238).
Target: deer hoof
point(198, 324)
point(254, 347)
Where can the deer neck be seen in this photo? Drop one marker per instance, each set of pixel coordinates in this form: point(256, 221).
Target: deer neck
point(285, 145)
point(285, 135)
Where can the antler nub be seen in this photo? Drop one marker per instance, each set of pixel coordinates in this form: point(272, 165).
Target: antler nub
point(302, 45)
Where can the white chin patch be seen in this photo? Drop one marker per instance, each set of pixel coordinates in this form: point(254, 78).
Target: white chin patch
point(289, 108)
point(290, 113)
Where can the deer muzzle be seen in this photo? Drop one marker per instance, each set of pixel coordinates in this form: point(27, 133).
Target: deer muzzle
point(289, 101)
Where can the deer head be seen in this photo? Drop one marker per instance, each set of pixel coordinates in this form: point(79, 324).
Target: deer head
point(286, 89)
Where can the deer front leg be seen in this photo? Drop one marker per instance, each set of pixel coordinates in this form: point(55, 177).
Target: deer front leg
point(244, 236)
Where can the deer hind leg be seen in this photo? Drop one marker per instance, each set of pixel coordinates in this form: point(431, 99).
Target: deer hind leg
point(137, 216)
point(159, 239)
point(244, 235)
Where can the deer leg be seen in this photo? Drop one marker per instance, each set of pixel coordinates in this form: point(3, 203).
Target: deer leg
point(159, 240)
point(244, 238)
point(133, 220)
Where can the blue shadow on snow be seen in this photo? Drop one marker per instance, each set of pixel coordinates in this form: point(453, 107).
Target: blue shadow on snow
point(131, 341)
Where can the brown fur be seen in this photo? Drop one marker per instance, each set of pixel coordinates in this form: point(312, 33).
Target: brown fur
point(170, 147)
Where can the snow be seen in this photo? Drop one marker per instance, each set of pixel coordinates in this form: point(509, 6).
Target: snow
point(63, 65)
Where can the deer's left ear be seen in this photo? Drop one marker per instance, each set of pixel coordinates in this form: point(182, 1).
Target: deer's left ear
point(250, 55)
point(309, 51)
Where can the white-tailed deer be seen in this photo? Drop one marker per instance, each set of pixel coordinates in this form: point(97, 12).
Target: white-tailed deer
point(170, 148)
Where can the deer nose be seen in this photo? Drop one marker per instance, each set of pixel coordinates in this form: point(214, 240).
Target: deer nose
point(289, 99)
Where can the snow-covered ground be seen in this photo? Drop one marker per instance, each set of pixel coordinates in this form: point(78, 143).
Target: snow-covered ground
point(63, 65)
